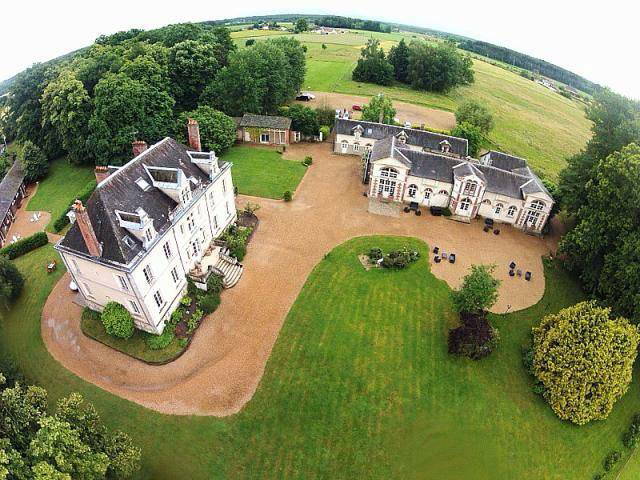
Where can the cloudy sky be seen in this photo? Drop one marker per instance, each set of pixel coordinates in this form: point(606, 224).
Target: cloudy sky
point(599, 42)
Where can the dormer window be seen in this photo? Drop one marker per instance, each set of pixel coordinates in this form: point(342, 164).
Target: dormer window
point(143, 184)
point(402, 138)
point(445, 146)
point(357, 131)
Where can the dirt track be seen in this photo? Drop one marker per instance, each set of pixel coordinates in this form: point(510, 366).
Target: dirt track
point(221, 370)
point(431, 117)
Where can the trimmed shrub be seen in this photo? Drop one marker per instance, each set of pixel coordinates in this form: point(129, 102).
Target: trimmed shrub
point(209, 303)
point(214, 284)
point(610, 460)
point(117, 320)
point(158, 342)
point(308, 160)
point(631, 437)
point(446, 212)
point(325, 131)
point(249, 42)
point(400, 259)
point(475, 338)
point(192, 290)
point(287, 196)
point(25, 245)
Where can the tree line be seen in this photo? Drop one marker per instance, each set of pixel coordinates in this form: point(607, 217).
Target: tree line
point(333, 21)
point(527, 62)
point(137, 85)
point(437, 67)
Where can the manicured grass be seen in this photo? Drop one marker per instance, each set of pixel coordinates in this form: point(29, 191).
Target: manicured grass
point(60, 187)
point(263, 172)
point(357, 387)
point(531, 120)
point(135, 346)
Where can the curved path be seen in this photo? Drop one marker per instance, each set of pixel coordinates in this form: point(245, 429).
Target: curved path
point(224, 364)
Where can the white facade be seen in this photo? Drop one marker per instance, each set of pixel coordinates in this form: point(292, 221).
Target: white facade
point(152, 284)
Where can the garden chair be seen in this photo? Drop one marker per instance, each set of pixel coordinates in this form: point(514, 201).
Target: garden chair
point(452, 258)
point(512, 273)
point(527, 276)
point(436, 250)
point(512, 265)
point(437, 259)
point(519, 273)
point(444, 255)
point(496, 231)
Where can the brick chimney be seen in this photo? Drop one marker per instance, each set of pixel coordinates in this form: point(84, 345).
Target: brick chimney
point(138, 146)
point(86, 229)
point(101, 172)
point(193, 131)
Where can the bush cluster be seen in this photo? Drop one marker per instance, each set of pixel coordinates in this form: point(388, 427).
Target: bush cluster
point(236, 239)
point(287, 196)
point(214, 284)
point(117, 320)
point(25, 245)
point(399, 259)
point(476, 338)
point(308, 160)
point(375, 254)
point(610, 460)
point(631, 437)
point(158, 342)
point(11, 281)
point(209, 303)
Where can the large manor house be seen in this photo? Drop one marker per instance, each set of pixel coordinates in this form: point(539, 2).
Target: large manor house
point(428, 169)
point(148, 225)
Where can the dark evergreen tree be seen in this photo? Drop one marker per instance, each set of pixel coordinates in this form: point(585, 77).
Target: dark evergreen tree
point(373, 66)
point(399, 58)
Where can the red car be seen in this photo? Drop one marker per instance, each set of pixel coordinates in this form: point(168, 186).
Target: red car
point(357, 108)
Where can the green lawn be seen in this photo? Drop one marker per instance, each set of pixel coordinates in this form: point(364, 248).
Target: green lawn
point(357, 387)
point(136, 346)
point(60, 187)
point(262, 172)
point(531, 120)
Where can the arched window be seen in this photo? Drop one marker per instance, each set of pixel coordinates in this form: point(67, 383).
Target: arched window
point(465, 203)
point(344, 145)
point(537, 205)
point(470, 188)
point(413, 189)
point(389, 172)
point(511, 211)
point(427, 193)
point(443, 192)
point(486, 201)
point(356, 147)
point(498, 209)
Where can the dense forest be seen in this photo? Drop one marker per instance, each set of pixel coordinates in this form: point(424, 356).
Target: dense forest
point(530, 63)
point(138, 85)
point(353, 23)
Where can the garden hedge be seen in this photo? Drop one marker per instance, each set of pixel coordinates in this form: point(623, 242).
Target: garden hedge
point(19, 248)
point(84, 194)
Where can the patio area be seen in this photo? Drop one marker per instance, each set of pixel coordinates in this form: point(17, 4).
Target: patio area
point(28, 222)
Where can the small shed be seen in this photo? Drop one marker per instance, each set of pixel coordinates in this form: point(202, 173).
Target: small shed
point(266, 130)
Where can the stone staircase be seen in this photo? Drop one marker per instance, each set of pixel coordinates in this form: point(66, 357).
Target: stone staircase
point(230, 268)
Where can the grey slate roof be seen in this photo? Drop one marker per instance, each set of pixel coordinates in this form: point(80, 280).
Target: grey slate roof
point(265, 121)
point(120, 192)
point(421, 138)
point(9, 187)
point(504, 161)
point(514, 184)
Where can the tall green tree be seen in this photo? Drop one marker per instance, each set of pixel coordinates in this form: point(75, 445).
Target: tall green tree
point(303, 119)
point(438, 68)
point(66, 107)
point(192, 66)
point(472, 134)
point(584, 358)
point(379, 109)
point(217, 130)
point(373, 65)
point(399, 58)
point(600, 248)
point(258, 79)
point(616, 123)
point(301, 25)
point(478, 292)
point(476, 114)
point(34, 162)
point(126, 110)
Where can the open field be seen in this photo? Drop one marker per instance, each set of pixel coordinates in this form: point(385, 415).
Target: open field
point(359, 387)
point(59, 188)
point(531, 120)
point(262, 172)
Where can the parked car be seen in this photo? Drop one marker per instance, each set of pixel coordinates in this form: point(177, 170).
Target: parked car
point(357, 108)
point(305, 96)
